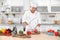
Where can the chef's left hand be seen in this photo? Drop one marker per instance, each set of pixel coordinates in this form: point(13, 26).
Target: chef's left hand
point(38, 25)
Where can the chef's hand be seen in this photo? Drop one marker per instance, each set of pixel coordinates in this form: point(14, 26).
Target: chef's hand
point(38, 25)
point(25, 24)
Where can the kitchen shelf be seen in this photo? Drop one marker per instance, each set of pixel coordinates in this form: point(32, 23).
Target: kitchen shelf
point(22, 25)
point(50, 12)
point(50, 24)
point(11, 24)
point(13, 12)
point(24, 11)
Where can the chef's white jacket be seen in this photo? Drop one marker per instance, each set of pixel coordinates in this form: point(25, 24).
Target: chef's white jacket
point(31, 19)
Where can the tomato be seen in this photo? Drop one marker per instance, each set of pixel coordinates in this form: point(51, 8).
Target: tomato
point(56, 33)
point(35, 31)
point(29, 33)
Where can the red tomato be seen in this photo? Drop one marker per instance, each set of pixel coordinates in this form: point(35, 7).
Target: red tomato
point(50, 30)
point(56, 33)
point(36, 31)
point(29, 33)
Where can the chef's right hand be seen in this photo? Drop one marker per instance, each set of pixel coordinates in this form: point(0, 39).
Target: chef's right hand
point(25, 24)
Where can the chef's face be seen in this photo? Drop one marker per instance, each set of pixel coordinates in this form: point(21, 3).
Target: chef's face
point(33, 9)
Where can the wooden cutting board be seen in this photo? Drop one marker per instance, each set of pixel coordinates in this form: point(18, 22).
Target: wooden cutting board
point(35, 33)
point(22, 36)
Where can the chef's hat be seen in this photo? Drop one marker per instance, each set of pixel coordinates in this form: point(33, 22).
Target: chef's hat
point(33, 5)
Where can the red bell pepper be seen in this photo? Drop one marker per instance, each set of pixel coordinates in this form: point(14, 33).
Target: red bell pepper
point(29, 33)
point(56, 33)
point(50, 30)
point(35, 31)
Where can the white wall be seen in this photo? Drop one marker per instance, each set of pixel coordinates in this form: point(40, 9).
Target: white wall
point(26, 3)
point(40, 2)
point(55, 2)
point(14, 2)
point(47, 3)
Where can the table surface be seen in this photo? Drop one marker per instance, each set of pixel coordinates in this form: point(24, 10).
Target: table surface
point(41, 36)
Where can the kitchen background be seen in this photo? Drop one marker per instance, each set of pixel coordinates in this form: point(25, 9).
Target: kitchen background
point(11, 11)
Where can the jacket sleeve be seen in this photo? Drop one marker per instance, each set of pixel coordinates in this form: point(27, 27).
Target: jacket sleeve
point(39, 18)
point(24, 18)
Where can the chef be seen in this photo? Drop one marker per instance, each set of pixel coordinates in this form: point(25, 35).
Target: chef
point(31, 19)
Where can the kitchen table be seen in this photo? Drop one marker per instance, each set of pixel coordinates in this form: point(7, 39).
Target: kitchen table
point(41, 36)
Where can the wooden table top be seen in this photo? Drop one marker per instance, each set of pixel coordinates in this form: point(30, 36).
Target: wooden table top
point(41, 36)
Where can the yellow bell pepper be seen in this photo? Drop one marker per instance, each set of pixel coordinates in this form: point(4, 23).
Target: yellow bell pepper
point(3, 30)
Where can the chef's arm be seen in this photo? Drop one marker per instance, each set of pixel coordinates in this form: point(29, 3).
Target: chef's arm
point(24, 19)
point(25, 24)
point(39, 20)
point(38, 25)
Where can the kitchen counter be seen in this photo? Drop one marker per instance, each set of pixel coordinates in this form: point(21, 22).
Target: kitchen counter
point(41, 36)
